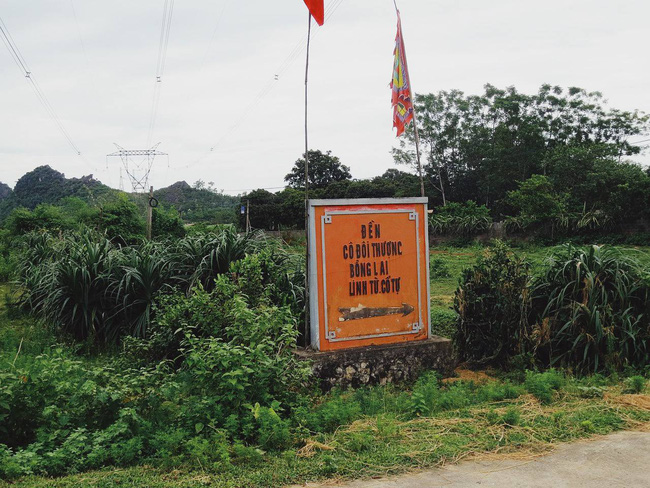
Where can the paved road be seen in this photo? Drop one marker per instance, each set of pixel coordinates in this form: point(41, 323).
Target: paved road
point(613, 461)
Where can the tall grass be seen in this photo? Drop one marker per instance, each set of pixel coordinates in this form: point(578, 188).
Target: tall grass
point(592, 310)
point(69, 289)
point(89, 288)
point(203, 257)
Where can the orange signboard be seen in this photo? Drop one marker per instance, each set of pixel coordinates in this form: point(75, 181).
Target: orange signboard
point(368, 272)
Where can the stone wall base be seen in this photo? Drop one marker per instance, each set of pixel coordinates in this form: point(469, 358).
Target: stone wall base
point(380, 364)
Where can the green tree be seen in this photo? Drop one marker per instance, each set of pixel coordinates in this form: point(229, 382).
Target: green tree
point(166, 222)
point(122, 221)
point(44, 216)
point(478, 147)
point(323, 170)
point(291, 204)
point(264, 210)
point(536, 202)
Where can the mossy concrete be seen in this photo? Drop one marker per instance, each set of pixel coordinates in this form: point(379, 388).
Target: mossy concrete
point(380, 364)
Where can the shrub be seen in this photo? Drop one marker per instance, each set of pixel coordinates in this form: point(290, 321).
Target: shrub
point(492, 302)
point(425, 393)
point(635, 384)
point(443, 321)
point(438, 268)
point(591, 310)
point(89, 288)
point(211, 255)
point(44, 216)
point(166, 222)
point(121, 221)
point(272, 431)
point(460, 219)
point(209, 451)
point(141, 274)
point(69, 290)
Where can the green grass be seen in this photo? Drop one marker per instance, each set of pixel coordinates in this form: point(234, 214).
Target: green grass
point(377, 431)
point(387, 443)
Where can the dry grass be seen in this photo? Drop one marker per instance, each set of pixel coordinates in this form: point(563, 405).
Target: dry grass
point(638, 402)
point(311, 447)
point(478, 377)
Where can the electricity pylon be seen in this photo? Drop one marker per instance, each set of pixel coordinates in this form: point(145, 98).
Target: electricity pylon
point(137, 171)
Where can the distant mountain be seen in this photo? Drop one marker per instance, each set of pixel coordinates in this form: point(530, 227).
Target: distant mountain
point(199, 205)
point(5, 191)
point(46, 185)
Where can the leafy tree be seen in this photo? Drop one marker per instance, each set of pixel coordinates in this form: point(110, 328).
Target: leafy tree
point(537, 203)
point(78, 211)
point(122, 221)
point(291, 203)
point(264, 209)
point(478, 147)
point(44, 216)
point(323, 170)
point(166, 222)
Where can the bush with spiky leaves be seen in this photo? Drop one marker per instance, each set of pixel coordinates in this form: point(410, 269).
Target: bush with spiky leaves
point(84, 285)
point(591, 310)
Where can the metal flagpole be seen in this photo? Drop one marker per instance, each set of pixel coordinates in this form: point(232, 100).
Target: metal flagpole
point(307, 339)
point(415, 121)
point(306, 142)
point(417, 152)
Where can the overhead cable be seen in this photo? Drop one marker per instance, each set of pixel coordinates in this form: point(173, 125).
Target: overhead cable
point(22, 65)
point(282, 68)
point(165, 29)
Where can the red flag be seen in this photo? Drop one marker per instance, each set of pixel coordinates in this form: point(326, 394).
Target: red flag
point(317, 10)
point(401, 98)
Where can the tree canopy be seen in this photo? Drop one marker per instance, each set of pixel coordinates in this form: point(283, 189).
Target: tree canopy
point(479, 146)
point(324, 169)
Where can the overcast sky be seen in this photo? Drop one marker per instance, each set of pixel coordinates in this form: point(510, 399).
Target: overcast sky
point(223, 116)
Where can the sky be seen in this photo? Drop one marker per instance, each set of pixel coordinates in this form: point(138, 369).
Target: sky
point(231, 97)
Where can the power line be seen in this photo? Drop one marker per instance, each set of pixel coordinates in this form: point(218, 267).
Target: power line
point(638, 142)
point(258, 188)
point(22, 65)
point(283, 67)
point(214, 33)
point(81, 41)
point(165, 29)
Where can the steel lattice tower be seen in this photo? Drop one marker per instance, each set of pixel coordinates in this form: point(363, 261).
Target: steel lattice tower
point(137, 171)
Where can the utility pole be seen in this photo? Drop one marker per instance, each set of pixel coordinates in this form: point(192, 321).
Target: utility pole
point(149, 213)
point(248, 216)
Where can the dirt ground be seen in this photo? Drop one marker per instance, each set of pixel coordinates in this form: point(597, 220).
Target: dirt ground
point(617, 460)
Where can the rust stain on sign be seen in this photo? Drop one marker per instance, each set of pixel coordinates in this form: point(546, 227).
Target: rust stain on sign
point(361, 312)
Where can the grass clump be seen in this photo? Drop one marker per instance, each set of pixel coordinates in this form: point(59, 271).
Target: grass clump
point(635, 384)
point(544, 386)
